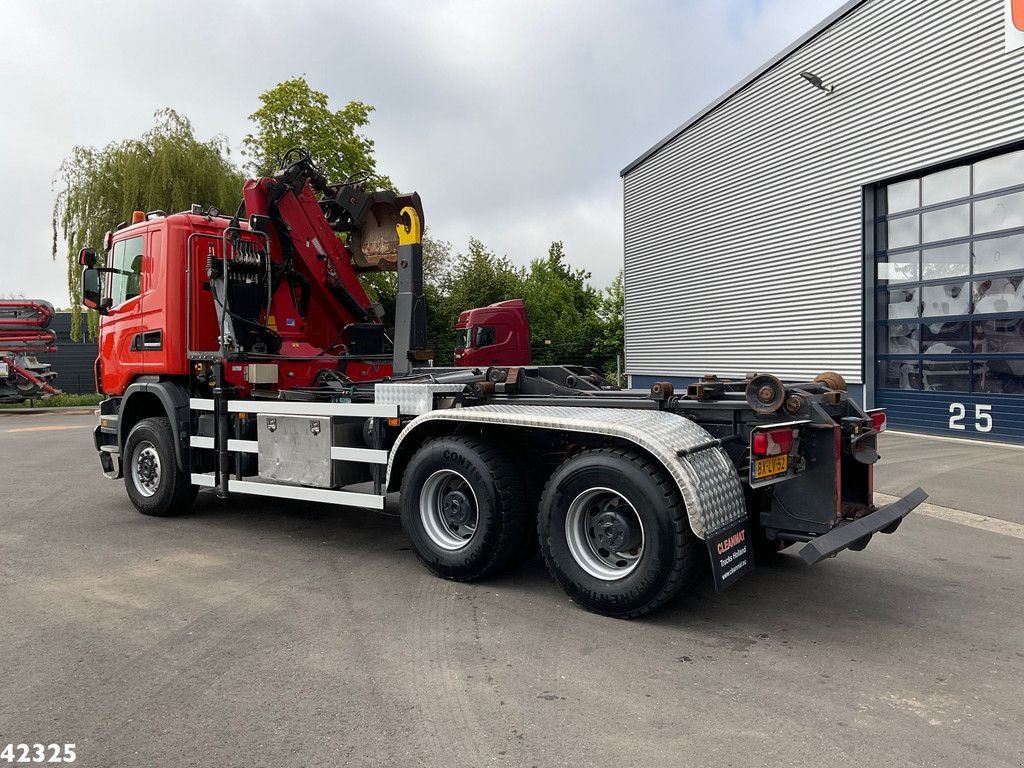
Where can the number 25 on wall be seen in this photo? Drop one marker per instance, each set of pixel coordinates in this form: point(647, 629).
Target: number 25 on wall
point(982, 417)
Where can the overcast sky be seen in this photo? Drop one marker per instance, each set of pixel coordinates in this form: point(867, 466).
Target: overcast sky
point(512, 120)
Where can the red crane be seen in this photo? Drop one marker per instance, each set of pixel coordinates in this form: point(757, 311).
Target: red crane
point(24, 333)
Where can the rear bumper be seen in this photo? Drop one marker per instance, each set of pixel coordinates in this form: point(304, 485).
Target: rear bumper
point(856, 533)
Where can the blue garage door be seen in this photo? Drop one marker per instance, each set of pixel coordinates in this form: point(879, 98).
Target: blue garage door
point(950, 306)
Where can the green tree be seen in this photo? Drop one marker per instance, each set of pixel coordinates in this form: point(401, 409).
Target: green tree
point(295, 115)
point(167, 168)
point(479, 277)
point(611, 338)
point(562, 308)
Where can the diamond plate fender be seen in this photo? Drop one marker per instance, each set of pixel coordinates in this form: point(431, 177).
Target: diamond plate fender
point(707, 479)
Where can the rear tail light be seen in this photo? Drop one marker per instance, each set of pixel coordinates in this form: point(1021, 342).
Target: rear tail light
point(783, 438)
point(772, 442)
point(878, 420)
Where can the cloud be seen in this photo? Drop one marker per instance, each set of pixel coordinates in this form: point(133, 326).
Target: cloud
point(511, 119)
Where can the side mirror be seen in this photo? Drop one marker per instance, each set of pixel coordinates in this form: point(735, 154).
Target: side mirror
point(92, 289)
point(87, 257)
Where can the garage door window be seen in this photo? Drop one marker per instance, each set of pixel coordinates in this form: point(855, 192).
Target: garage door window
point(950, 279)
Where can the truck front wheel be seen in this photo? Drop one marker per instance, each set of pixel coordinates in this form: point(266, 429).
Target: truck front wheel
point(463, 506)
point(155, 484)
point(614, 533)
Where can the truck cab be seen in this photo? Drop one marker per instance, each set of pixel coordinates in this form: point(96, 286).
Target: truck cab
point(498, 334)
point(144, 293)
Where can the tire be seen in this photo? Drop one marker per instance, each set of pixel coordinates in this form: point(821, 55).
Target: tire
point(533, 483)
point(463, 507)
point(615, 535)
point(25, 387)
point(155, 484)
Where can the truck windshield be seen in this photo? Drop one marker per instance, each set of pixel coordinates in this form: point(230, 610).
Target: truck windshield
point(461, 338)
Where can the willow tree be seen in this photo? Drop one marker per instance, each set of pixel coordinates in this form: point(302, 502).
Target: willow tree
point(167, 168)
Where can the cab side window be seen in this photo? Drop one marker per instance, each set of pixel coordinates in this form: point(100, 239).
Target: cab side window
point(484, 336)
point(126, 282)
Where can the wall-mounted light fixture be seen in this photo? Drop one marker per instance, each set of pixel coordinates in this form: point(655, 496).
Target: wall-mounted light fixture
point(817, 82)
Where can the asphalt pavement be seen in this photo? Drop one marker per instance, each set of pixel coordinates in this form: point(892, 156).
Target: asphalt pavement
point(265, 633)
point(983, 478)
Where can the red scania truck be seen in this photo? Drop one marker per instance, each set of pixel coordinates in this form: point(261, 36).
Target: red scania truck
point(241, 354)
point(498, 334)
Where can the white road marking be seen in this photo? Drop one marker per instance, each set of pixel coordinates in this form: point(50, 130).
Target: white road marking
point(52, 428)
point(990, 524)
point(951, 439)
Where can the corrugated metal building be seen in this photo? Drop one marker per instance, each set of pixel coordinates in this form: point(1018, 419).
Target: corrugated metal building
point(855, 205)
point(74, 360)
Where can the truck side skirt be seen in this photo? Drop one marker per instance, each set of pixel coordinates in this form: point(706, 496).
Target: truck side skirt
point(321, 413)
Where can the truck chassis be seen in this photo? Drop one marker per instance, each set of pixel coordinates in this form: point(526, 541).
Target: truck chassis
point(628, 493)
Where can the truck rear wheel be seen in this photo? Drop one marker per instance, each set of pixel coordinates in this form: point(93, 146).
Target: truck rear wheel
point(155, 484)
point(614, 533)
point(463, 506)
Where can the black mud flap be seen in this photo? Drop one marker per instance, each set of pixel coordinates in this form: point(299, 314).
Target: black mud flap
point(732, 554)
point(856, 533)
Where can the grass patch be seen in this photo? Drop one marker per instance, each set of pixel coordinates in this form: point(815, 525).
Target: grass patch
point(57, 401)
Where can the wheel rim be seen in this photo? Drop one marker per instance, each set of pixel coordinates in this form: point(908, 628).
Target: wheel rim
point(146, 468)
point(604, 533)
point(25, 387)
point(448, 510)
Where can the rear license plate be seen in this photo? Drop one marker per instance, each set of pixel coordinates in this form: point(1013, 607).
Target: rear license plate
point(732, 554)
point(768, 467)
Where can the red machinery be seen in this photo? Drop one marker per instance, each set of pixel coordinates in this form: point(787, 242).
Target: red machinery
point(218, 291)
point(24, 333)
point(498, 334)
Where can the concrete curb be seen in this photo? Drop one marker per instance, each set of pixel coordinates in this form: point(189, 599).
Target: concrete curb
point(71, 410)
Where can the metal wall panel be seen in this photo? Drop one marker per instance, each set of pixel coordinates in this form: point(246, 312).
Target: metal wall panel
point(74, 360)
point(743, 235)
point(979, 415)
